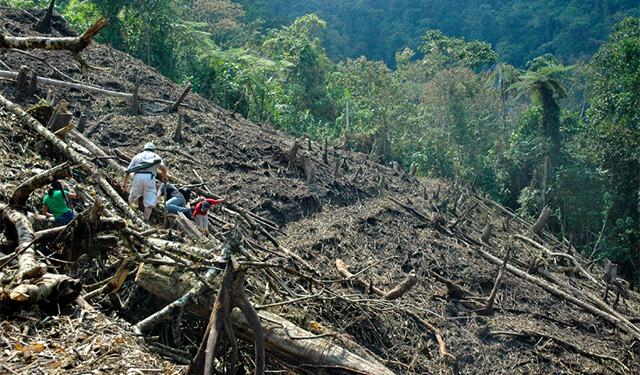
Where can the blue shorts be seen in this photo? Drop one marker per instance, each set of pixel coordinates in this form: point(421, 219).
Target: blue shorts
point(65, 218)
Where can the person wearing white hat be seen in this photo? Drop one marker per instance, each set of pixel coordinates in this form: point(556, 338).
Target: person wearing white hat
point(145, 166)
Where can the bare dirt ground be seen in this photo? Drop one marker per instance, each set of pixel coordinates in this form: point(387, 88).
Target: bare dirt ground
point(363, 217)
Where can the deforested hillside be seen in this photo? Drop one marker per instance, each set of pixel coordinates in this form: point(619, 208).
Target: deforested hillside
point(351, 265)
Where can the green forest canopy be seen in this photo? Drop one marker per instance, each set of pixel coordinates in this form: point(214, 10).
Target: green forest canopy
point(519, 30)
point(533, 133)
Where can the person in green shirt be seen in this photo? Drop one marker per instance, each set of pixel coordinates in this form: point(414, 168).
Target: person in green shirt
point(55, 204)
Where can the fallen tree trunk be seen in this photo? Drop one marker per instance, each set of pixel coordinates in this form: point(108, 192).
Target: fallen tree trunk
point(29, 267)
point(187, 227)
point(302, 349)
point(50, 288)
point(73, 44)
point(84, 164)
point(174, 106)
point(281, 339)
point(563, 255)
point(620, 322)
point(106, 224)
point(21, 194)
point(78, 86)
point(95, 150)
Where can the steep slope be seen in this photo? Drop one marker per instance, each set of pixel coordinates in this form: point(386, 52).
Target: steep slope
point(383, 224)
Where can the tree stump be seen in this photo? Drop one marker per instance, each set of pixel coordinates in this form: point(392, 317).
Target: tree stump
point(542, 220)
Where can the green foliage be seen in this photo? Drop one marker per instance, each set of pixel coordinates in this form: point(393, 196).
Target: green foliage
point(80, 14)
point(519, 30)
point(446, 52)
point(300, 47)
point(25, 3)
point(614, 75)
point(544, 81)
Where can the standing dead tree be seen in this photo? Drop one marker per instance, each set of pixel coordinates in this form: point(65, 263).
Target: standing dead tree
point(44, 26)
point(542, 220)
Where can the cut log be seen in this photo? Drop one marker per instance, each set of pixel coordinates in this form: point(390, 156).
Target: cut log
point(187, 227)
point(29, 267)
point(78, 86)
point(55, 289)
point(453, 290)
point(344, 272)
point(488, 309)
point(281, 338)
point(298, 347)
point(95, 150)
point(21, 194)
point(401, 289)
point(562, 255)
point(73, 44)
point(622, 323)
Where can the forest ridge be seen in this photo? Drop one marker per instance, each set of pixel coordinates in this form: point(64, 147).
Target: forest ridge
point(518, 30)
point(539, 136)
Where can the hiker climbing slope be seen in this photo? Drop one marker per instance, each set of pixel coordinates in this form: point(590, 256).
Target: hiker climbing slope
point(145, 166)
point(176, 199)
point(202, 209)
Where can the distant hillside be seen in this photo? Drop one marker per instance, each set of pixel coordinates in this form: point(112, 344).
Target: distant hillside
point(518, 30)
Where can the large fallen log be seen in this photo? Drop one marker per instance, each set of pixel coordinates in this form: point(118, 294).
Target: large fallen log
point(298, 347)
point(73, 44)
point(94, 149)
point(21, 194)
point(106, 224)
point(49, 288)
point(282, 338)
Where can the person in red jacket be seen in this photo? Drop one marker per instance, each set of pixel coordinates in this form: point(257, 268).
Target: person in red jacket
point(202, 209)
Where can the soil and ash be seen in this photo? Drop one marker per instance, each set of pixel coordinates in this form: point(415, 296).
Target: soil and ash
point(360, 217)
